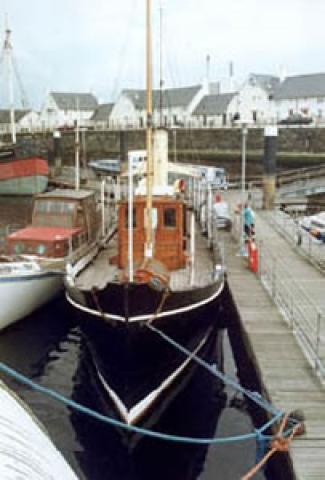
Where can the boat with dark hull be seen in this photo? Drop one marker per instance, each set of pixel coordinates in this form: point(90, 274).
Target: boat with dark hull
point(121, 319)
point(23, 171)
point(158, 281)
point(157, 371)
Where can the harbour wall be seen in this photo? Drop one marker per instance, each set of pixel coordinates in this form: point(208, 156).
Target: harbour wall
point(297, 146)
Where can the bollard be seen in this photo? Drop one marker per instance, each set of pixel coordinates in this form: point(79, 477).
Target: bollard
point(252, 256)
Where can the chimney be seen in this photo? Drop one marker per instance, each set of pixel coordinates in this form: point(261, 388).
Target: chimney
point(282, 73)
point(208, 62)
point(231, 76)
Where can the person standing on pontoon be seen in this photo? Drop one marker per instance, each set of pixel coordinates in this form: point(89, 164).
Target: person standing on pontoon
point(249, 221)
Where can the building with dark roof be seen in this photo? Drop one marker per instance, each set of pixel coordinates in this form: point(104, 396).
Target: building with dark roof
point(250, 104)
point(171, 106)
point(269, 83)
point(216, 109)
point(303, 95)
point(63, 109)
point(101, 117)
point(167, 98)
point(102, 112)
point(301, 86)
point(25, 120)
point(84, 102)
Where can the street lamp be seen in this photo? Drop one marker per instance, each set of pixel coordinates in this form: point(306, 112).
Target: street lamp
point(244, 130)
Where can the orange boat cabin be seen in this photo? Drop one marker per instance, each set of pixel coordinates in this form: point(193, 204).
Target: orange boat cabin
point(169, 230)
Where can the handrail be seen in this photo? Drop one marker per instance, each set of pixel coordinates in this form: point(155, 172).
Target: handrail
point(303, 316)
point(301, 174)
point(299, 311)
point(304, 243)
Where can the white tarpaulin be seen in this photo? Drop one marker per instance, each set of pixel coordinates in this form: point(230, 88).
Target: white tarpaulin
point(26, 452)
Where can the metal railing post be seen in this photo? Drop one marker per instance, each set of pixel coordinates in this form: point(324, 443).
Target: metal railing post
point(292, 318)
point(260, 258)
point(273, 279)
point(309, 245)
point(70, 248)
point(317, 349)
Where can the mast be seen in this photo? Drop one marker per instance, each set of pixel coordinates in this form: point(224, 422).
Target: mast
point(7, 52)
point(77, 148)
point(161, 81)
point(148, 251)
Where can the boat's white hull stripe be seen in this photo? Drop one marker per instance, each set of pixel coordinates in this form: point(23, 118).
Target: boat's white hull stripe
point(135, 413)
point(141, 318)
point(30, 277)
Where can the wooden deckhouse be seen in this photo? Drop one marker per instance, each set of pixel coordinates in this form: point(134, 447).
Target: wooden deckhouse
point(169, 232)
point(62, 221)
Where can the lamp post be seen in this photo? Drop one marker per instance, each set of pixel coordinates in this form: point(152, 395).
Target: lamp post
point(175, 144)
point(244, 130)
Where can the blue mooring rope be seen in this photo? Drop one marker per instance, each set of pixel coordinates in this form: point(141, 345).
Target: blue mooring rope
point(254, 396)
point(257, 434)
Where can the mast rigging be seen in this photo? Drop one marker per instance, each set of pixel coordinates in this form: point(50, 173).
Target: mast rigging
point(149, 234)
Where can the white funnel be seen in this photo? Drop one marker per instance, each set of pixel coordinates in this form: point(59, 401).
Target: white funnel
point(160, 158)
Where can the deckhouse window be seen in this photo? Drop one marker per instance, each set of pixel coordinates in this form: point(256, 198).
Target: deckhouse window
point(127, 218)
point(53, 213)
point(170, 217)
point(53, 207)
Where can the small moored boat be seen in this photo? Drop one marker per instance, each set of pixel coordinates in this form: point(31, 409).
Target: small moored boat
point(64, 230)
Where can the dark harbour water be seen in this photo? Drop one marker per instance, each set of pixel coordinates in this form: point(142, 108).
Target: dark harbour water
point(48, 348)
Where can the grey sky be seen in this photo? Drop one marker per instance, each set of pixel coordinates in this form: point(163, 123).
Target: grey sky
point(97, 45)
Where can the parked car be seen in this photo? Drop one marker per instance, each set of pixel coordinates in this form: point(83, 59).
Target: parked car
point(216, 176)
point(296, 119)
point(315, 225)
point(106, 166)
point(221, 214)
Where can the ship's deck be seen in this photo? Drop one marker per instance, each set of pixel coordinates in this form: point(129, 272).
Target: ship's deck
point(103, 270)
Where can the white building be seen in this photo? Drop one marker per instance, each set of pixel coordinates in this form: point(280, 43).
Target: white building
point(172, 106)
point(63, 109)
point(215, 110)
point(250, 103)
point(25, 120)
point(254, 99)
point(102, 116)
point(301, 94)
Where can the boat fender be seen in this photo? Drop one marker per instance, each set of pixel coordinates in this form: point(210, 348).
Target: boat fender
point(297, 416)
point(219, 271)
point(142, 276)
point(158, 283)
point(252, 256)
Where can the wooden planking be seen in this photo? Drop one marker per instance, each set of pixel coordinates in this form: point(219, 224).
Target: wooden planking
point(285, 371)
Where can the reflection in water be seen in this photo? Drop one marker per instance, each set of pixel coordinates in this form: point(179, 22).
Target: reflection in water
point(48, 348)
point(194, 412)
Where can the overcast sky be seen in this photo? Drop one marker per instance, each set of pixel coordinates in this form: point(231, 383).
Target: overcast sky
point(98, 45)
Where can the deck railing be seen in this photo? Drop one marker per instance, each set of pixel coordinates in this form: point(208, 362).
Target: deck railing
point(183, 279)
point(303, 242)
point(303, 316)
